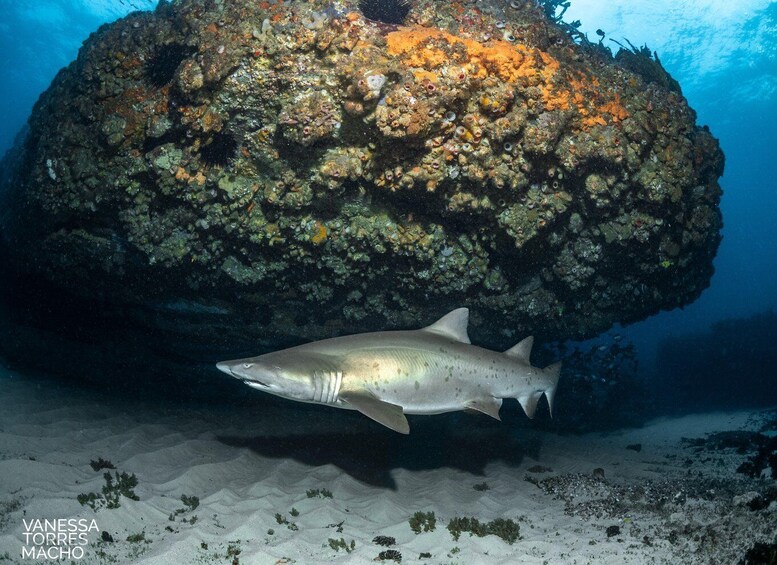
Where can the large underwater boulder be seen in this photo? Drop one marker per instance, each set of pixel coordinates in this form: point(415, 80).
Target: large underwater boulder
point(253, 174)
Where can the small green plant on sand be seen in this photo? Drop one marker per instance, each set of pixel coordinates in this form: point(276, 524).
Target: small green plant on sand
point(123, 485)
point(319, 492)
point(281, 519)
point(390, 555)
point(233, 550)
point(423, 522)
point(137, 538)
point(101, 464)
point(508, 530)
point(114, 488)
point(190, 503)
point(338, 544)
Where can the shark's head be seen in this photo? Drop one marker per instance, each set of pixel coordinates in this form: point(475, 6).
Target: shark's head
point(283, 375)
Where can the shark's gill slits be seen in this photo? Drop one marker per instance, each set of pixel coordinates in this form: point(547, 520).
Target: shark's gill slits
point(326, 386)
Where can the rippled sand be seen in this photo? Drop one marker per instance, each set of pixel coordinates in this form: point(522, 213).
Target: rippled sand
point(247, 465)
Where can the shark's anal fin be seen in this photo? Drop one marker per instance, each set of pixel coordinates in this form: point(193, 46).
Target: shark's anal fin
point(489, 406)
point(529, 402)
point(390, 415)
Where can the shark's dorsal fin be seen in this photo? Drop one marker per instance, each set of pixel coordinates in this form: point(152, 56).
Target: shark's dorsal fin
point(390, 415)
point(453, 325)
point(521, 350)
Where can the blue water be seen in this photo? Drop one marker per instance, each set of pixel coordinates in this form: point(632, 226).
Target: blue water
point(723, 53)
point(239, 455)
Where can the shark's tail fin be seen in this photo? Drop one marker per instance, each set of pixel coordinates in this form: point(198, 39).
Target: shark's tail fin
point(550, 380)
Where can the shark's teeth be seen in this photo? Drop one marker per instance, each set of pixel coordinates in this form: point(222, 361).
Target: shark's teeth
point(256, 382)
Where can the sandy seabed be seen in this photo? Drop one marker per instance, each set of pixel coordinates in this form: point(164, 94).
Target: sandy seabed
point(669, 502)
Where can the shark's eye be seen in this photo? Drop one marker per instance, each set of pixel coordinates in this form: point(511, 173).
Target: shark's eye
point(247, 365)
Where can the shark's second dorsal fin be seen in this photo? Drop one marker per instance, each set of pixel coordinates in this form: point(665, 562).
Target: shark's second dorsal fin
point(521, 350)
point(453, 325)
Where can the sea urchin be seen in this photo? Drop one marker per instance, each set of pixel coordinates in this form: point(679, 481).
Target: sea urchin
point(386, 11)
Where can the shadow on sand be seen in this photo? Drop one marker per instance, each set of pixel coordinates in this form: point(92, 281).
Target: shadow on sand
point(457, 441)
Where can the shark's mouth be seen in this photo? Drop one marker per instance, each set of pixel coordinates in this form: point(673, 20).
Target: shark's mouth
point(256, 382)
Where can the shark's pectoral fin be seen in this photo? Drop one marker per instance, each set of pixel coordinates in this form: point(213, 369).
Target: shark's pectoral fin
point(390, 415)
point(489, 406)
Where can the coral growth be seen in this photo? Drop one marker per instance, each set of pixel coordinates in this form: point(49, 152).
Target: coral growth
point(294, 170)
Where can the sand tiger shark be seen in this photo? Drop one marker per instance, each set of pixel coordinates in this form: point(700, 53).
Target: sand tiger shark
point(385, 375)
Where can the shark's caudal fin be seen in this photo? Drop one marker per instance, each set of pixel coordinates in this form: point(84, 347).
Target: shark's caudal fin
point(550, 376)
point(453, 325)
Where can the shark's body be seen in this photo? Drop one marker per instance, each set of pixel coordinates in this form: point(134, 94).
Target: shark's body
point(388, 374)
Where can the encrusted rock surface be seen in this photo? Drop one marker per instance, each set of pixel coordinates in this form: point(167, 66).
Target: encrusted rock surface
point(271, 172)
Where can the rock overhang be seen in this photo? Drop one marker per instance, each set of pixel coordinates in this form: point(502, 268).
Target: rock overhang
point(292, 171)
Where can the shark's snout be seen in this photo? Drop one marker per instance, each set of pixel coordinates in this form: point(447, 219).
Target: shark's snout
point(240, 371)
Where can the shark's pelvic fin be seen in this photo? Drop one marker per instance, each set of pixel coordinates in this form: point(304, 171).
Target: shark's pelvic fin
point(489, 406)
point(390, 415)
point(521, 350)
point(453, 325)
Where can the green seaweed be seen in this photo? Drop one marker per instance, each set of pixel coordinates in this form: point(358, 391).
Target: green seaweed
point(191, 503)
point(101, 464)
point(114, 488)
point(390, 555)
point(281, 519)
point(320, 493)
point(137, 538)
point(123, 485)
point(423, 522)
point(508, 530)
point(338, 544)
